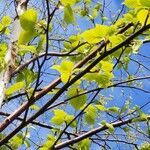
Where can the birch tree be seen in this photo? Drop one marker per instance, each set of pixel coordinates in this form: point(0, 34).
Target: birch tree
point(74, 75)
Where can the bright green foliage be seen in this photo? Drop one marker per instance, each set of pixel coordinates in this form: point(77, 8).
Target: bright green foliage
point(145, 3)
point(106, 66)
point(84, 144)
point(14, 88)
point(4, 24)
point(27, 76)
point(65, 69)
point(28, 22)
point(132, 3)
point(28, 19)
point(61, 117)
point(108, 125)
point(6, 20)
point(34, 107)
point(49, 143)
point(104, 76)
point(100, 32)
point(90, 114)
point(145, 146)
point(79, 101)
point(66, 2)
point(101, 107)
point(26, 36)
point(142, 115)
point(3, 49)
point(113, 109)
point(116, 39)
point(68, 15)
point(17, 141)
point(24, 49)
point(142, 15)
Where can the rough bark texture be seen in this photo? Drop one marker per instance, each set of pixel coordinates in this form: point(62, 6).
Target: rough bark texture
point(11, 55)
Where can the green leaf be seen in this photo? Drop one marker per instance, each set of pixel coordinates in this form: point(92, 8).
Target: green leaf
point(14, 88)
point(17, 141)
point(28, 19)
point(3, 49)
point(68, 15)
point(26, 36)
point(84, 144)
point(65, 69)
point(72, 2)
point(132, 3)
point(113, 109)
point(145, 3)
point(106, 66)
point(34, 107)
point(1, 27)
point(6, 20)
point(49, 143)
point(110, 127)
point(142, 16)
point(23, 49)
point(59, 117)
point(105, 79)
point(101, 107)
point(27, 76)
point(79, 101)
point(98, 33)
point(69, 118)
point(90, 114)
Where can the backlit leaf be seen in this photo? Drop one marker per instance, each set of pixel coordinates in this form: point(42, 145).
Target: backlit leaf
point(79, 101)
point(15, 87)
point(28, 19)
point(132, 3)
point(142, 16)
point(145, 3)
point(6, 20)
point(68, 15)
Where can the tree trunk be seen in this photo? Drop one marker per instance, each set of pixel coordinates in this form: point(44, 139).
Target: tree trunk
point(11, 54)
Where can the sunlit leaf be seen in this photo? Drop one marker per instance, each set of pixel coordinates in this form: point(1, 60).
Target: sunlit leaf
point(68, 15)
point(79, 101)
point(28, 19)
point(6, 20)
point(14, 88)
point(145, 3)
point(142, 16)
point(90, 114)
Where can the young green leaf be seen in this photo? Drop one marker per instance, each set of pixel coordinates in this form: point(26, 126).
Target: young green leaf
point(79, 101)
point(68, 15)
point(145, 3)
point(110, 127)
point(132, 3)
point(65, 69)
point(28, 19)
point(14, 88)
point(6, 20)
point(90, 114)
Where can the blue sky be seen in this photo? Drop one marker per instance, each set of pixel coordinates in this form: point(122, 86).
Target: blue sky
point(118, 98)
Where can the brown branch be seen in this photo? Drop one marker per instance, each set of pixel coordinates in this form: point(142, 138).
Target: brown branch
point(39, 56)
point(52, 85)
point(64, 88)
point(93, 132)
